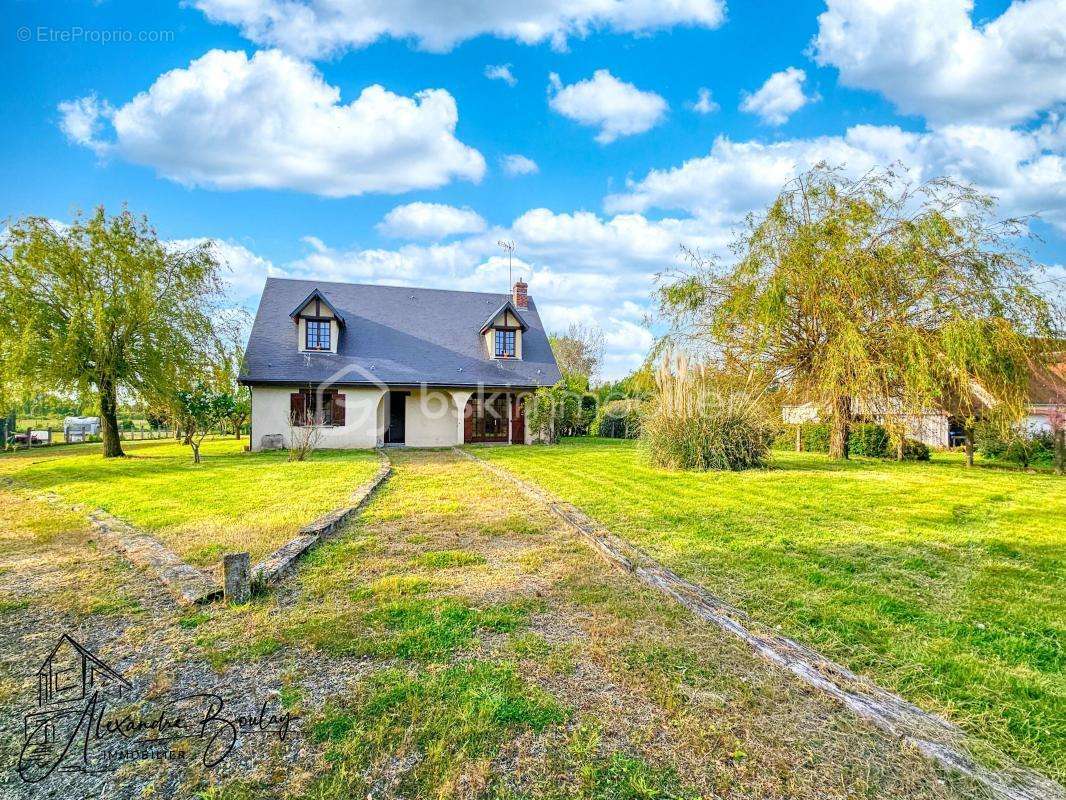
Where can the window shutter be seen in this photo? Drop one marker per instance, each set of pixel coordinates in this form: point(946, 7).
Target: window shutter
point(338, 409)
point(298, 408)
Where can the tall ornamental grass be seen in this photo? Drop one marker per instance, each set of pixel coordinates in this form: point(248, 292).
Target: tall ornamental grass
point(696, 421)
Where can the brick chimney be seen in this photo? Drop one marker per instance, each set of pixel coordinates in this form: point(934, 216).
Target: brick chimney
point(521, 299)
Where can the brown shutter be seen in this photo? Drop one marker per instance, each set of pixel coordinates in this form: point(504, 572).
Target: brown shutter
point(338, 409)
point(298, 408)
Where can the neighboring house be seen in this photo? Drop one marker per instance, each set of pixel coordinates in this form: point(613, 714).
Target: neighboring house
point(1047, 392)
point(394, 365)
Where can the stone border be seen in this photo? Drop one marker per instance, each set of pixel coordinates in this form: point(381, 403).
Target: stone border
point(188, 584)
point(936, 738)
point(279, 563)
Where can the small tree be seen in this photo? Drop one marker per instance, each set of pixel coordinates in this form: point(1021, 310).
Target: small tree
point(552, 410)
point(200, 409)
point(103, 306)
point(305, 432)
point(579, 351)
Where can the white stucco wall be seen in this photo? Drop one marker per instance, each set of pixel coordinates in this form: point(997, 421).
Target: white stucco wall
point(362, 417)
point(432, 419)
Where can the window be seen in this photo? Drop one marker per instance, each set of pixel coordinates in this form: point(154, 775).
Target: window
point(505, 344)
point(317, 334)
point(326, 408)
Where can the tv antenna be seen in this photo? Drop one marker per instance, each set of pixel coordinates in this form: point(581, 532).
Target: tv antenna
point(509, 246)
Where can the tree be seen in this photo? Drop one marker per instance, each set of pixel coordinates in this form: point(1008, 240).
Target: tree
point(578, 351)
point(874, 294)
point(199, 410)
point(103, 306)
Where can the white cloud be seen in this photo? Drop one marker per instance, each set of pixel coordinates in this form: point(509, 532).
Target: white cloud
point(778, 98)
point(704, 103)
point(82, 121)
point(515, 164)
point(430, 221)
point(243, 271)
point(616, 107)
point(929, 58)
point(1026, 170)
point(317, 28)
point(272, 122)
point(500, 72)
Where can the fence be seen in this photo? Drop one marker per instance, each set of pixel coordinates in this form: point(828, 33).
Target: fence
point(43, 437)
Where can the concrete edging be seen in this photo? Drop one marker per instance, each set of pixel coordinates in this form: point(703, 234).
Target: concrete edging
point(279, 563)
point(936, 738)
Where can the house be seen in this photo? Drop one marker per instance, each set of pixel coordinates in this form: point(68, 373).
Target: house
point(369, 365)
point(937, 428)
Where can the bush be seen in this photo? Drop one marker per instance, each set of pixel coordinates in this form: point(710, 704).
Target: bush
point(815, 436)
point(913, 450)
point(1015, 446)
point(618, 419)
point(867, 439)
point(693, 424)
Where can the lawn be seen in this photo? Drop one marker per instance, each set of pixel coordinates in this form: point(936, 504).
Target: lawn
point(232, 501)
point(944, 583)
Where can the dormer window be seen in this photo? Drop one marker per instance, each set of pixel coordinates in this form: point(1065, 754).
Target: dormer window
point(503, 332)
point(318, 334)
point(318, 324)
point(505, 344)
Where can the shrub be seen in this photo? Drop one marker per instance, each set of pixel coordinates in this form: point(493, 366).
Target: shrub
point(913, 450)
point(785, 439)
point(815, 436)
point(1015, 445)
point(867, 439)
point(618, 419)
point(692, 423)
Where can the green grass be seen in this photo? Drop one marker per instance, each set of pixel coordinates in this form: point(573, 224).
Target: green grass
point(944, 583)
point(232, 501)
point(441, 719)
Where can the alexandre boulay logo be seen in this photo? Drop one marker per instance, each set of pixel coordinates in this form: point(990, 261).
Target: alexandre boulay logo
point(85, 720)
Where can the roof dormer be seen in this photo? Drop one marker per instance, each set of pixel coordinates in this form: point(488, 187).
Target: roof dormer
point(318, 324)
point(503, 332)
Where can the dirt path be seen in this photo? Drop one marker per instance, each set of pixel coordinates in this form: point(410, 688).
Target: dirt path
point(455, 641)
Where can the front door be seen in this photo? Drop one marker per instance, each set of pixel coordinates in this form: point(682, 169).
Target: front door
point(397, 432)
point(518, 420)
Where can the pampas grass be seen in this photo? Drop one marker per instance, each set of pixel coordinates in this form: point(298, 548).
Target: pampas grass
point(696, 421)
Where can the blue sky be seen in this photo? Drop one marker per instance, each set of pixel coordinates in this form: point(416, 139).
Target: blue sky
point(364, 140)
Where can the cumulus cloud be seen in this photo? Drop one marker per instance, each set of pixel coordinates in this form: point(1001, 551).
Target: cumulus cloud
point(778, 98)
point(500, 72)
point(615, 107)
point(929, 58)
point(272, 122)
point(704, 104)
point(1026, 170)
point(318, 28)
point(430, 221)
point(83, 120)
point(243, 271)
point(515, 164)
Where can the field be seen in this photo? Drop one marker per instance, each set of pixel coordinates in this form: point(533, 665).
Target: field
point(943, 583)
point(232, 501)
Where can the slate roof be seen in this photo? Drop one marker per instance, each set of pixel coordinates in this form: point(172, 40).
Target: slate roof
point(394, 335)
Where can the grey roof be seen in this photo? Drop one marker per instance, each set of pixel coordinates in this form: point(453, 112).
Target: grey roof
point(508, 306)
point(317, 295)
point(394, 335)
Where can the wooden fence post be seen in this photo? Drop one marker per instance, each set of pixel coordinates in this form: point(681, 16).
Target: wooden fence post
point(236, 572)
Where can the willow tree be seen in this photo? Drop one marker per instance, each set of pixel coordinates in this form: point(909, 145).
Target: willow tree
point(102, 307)
point(874, 295)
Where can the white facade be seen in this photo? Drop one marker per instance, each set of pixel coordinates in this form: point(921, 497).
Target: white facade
point(434, 417)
